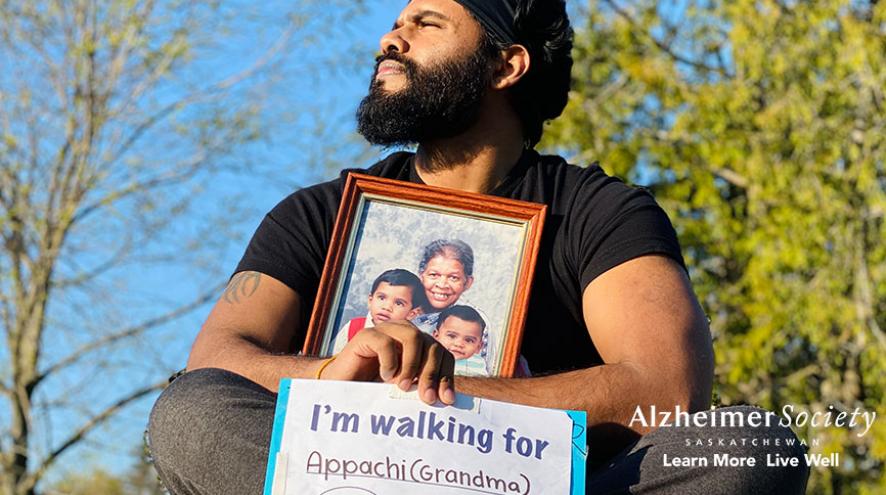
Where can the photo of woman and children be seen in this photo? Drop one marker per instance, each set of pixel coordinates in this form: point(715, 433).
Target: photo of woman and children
point(429, 300)
point(451, 276)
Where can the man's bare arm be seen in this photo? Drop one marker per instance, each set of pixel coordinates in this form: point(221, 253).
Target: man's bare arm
point(653, 337)
point(251, 331)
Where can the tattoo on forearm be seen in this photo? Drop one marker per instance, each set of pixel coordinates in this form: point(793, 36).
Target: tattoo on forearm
point(242, 285)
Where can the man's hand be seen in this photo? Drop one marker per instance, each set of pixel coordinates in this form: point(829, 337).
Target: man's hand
point(397, 352)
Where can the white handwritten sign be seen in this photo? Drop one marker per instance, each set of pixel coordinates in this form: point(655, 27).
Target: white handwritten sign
point(348, 438)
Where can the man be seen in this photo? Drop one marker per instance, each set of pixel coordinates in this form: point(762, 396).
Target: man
point(613, 324)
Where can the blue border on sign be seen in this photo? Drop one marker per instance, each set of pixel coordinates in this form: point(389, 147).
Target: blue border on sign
point(277, 433)
point(579, 450)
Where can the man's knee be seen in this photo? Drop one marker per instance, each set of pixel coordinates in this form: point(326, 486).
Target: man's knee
point(204, 419)
point(177, 426)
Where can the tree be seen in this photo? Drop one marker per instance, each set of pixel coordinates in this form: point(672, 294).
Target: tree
point(140, 479)
point(98, 482)
point(759, 126)
point(115, 115)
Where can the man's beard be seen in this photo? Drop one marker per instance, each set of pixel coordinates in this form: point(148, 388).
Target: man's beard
point(440, 101)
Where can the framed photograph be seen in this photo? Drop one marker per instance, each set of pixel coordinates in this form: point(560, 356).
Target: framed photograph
point(458, 265)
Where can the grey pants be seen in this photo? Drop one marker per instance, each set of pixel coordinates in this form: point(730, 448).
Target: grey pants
point(210, 430)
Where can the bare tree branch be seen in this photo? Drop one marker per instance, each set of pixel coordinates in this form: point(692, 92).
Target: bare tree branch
point(666, 48)
point(112, 197)
point(128, 38)
point(5, 315)
point(731, 177)
point(140, 130)
point(129, 332)
point(87, 275)
point(31, 480)
point(864, 299)
point(262, 61)
point(214, 90)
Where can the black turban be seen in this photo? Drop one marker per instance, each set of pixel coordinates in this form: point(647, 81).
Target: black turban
point(496, 16)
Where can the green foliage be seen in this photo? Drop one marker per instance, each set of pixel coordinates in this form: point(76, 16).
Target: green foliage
point(761, 128)
point(140, 479)
point(97, 482)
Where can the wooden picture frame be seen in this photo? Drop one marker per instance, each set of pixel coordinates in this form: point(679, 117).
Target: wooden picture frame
point(385, 226)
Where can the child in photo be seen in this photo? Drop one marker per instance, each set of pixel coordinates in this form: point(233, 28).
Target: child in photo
point(462, 331)
point(395, 295)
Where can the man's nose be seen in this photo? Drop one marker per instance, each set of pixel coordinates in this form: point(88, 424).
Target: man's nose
point(393, 41)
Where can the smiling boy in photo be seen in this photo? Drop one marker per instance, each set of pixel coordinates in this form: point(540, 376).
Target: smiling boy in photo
point(395, 295)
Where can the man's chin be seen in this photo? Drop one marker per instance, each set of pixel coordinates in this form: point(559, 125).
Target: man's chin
point(388, 86)
point(391, 84)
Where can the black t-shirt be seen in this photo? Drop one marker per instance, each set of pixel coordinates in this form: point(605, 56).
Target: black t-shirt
point(594, 222)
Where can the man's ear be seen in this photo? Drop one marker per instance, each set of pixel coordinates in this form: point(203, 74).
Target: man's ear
point(513, 65)
point(469, 282)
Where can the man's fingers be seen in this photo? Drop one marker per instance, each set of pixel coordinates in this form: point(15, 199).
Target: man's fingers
point(413, 347)
point(382, 347)
point(404, 353)
point(429, 378)
point(446, 389)
point(414, 350)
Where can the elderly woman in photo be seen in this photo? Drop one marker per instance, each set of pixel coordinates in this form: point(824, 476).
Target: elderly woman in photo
point(446, 270)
